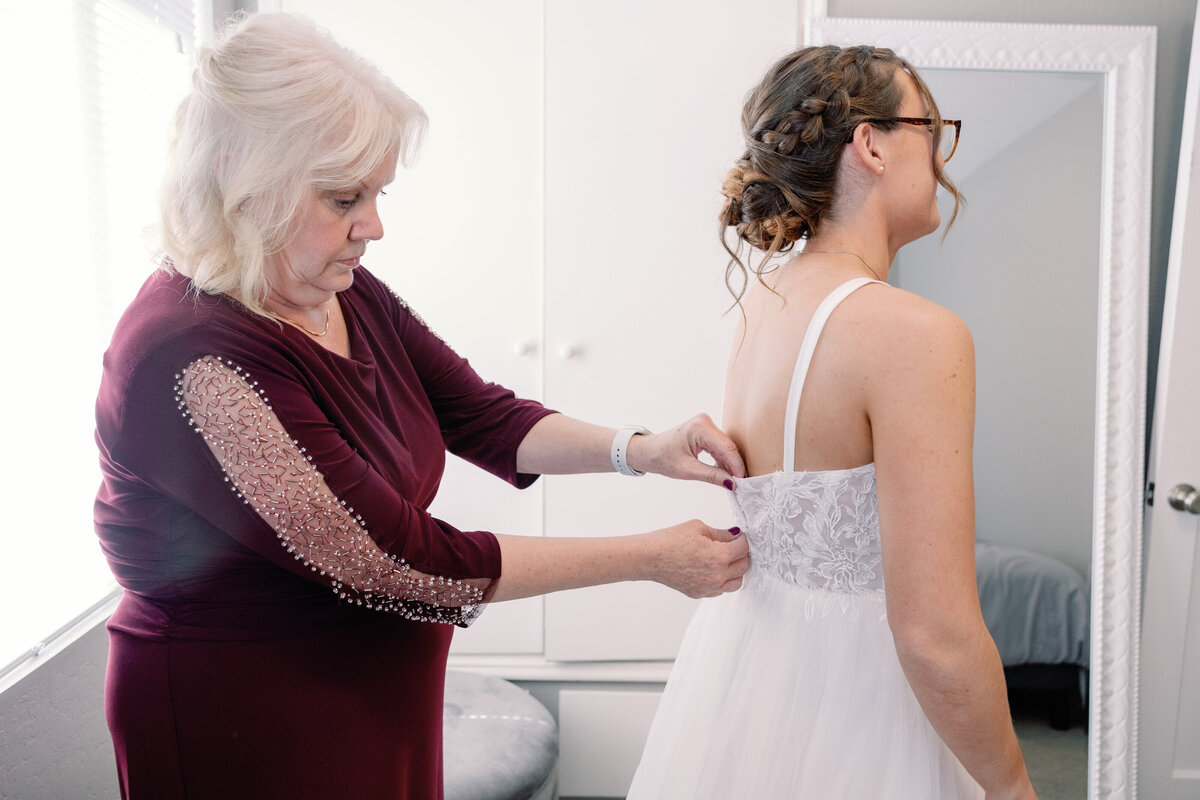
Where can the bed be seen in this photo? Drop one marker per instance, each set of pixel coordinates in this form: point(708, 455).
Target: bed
point(1037, 610)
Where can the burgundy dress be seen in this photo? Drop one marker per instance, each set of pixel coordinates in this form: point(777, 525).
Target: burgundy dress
point(283, 629)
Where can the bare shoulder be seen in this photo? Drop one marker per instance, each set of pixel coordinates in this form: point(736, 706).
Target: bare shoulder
point(908, 347)
point(906, 326)
point(902, 311)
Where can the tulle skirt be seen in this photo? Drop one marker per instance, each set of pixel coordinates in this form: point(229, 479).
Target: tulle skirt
point(780, 691)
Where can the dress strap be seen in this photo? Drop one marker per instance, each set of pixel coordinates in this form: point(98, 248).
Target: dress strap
point(807, 348)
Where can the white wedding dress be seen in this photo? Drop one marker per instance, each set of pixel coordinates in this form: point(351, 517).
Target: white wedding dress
point(791, 687)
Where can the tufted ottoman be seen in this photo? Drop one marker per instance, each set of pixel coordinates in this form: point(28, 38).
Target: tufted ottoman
point(498, 741)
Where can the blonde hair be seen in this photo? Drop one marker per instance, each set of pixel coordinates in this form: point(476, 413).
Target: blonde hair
point(796, 123)
point(277, 109)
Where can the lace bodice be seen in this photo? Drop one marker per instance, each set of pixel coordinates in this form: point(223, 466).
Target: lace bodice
point(819, 530)
point(814, 529)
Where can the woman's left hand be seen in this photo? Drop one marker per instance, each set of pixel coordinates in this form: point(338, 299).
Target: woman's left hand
point(676, 453)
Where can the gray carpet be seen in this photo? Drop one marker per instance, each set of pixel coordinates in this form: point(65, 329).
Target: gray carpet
point(1057, 760)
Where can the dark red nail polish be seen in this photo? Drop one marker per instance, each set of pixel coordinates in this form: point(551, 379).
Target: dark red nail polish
point(735, 530)
point(728, 484)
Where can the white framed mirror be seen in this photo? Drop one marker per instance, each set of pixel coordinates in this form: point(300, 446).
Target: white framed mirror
point(1106, 74)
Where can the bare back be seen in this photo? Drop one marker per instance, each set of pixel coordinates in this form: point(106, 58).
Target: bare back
point(833, 430)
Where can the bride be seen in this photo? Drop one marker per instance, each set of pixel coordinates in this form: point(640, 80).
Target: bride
point(853, 405)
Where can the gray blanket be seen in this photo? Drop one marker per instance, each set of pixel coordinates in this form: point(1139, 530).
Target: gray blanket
point(1035, 607)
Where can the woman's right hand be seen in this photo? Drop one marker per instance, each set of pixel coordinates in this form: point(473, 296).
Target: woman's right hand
point(699, 560)
point(692, 558)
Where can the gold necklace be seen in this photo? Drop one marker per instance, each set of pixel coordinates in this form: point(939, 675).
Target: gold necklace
point(295, 324)
point(844, 253)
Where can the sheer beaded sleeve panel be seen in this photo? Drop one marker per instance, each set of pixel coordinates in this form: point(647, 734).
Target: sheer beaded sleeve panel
point(270, 472)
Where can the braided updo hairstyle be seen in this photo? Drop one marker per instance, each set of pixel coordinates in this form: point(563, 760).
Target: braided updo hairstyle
point(796, 124)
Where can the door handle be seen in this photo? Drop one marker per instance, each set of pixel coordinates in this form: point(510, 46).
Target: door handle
point(1183, 497)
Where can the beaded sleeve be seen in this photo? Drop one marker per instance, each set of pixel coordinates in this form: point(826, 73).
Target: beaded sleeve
point(273, 474)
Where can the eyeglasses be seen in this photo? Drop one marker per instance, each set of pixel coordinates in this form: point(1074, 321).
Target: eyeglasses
point(947, 144)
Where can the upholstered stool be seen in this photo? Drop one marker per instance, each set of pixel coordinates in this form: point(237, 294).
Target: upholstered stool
point(499, 742)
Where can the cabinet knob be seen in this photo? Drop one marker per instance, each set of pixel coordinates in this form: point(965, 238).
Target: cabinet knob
point(570, 351)
point(526, 347)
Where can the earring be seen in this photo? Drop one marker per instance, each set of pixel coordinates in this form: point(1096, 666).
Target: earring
point(881, 169)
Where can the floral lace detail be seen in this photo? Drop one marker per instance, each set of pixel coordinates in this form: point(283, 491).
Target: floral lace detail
point(270, 472)
point(819, 530)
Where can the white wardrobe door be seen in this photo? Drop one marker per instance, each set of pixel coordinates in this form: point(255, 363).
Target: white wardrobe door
point(643, 101)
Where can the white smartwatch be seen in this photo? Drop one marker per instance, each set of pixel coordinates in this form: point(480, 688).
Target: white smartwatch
point(620, 450)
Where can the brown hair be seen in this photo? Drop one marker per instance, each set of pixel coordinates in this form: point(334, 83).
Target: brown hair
point(796, 124)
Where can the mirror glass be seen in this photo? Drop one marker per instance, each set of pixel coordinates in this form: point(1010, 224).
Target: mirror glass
point(1020, 266)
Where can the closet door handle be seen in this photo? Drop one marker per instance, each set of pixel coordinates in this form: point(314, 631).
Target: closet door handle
point(1183, 497)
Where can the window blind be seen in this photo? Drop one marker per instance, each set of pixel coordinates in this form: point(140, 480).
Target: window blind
point(89, 88)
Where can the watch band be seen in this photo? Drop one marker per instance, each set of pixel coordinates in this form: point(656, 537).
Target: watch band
point(620, 450)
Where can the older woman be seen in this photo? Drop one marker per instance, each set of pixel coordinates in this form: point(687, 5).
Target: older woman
point(272, 424)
